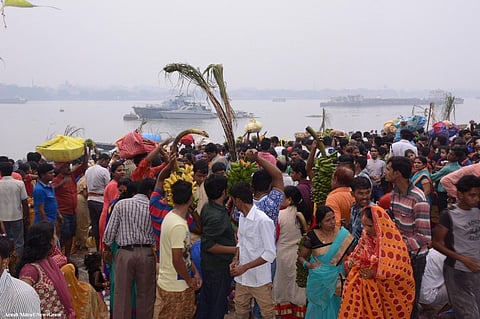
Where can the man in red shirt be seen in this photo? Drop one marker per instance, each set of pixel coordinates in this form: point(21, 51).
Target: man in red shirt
point(66, 193)
point(145, 167)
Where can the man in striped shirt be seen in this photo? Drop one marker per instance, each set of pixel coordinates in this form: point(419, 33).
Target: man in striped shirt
point(131, 228)
point(411, 212)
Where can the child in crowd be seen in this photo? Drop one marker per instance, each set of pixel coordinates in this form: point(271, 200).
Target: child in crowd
point(442, 160)
point(93, 263)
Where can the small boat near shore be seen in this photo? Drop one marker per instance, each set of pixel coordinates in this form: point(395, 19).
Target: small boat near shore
point(15, 100)
point(130, 117)
point(244, 115)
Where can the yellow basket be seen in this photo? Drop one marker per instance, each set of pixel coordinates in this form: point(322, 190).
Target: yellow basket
point(62, 148)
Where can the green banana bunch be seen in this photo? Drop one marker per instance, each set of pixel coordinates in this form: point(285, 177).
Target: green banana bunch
point(322, 181)
point(240, 171)
point(324, 168)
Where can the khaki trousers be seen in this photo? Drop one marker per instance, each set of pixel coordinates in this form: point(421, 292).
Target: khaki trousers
point(263, 296)
point(83, 221)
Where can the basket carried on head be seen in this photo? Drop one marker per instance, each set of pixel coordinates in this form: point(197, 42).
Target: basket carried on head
point(134, 144)
point(62, 148)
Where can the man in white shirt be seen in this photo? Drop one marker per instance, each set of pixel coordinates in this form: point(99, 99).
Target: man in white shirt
point(433, 294)
point(399, 148)
point(97, 177)
point(17, 298)
point(255, 253)
point(376, 171)
point(13, 207)
point(276, 145)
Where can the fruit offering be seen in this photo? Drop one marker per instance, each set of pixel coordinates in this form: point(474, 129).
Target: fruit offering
point(240, 171)
point(183, 173)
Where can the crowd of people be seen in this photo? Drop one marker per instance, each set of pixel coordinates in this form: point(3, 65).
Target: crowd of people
point(397, 237)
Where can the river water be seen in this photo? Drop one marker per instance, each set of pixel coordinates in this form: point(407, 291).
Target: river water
point(26, 125)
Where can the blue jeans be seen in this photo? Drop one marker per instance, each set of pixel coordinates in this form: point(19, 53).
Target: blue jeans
point(212, 303)
point(15, 233)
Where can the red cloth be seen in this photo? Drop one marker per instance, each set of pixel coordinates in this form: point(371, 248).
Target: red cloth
point(187, 139)
point(16, 176)
point(145, 169)
point(66, 194)
point(134, 144)
point(29, 184)
point(385, 201)
point(110, 194)
point(269, 157)
point(61, 164)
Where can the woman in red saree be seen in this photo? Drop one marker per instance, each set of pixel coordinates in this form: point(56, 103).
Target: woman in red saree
point(380, 278)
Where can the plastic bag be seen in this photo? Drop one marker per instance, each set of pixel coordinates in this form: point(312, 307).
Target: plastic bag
point(134, 144)
point(414, 122)
point(444, 128)
point(62, 148)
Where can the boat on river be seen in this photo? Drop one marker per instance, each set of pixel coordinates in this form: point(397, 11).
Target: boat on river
point(243, 115)
point(130, 117)
point(15, 100)
point(180, 107)
point(436, 96)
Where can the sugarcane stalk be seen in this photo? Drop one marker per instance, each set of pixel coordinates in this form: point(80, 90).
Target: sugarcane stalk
point(320, 145)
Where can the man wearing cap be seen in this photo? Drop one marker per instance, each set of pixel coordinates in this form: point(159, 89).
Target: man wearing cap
point(65, 186)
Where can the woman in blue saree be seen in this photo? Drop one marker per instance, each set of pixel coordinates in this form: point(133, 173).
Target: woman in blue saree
point(421, 177)
point(322, 254)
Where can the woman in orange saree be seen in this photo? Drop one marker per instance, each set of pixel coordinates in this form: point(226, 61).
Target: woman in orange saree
point(380, 278)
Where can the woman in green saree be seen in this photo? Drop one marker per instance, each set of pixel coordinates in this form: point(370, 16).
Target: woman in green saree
point(322, 254)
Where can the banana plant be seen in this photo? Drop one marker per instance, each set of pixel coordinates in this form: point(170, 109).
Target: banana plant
point(449, 107)
point(17, 4)
point(208, 81)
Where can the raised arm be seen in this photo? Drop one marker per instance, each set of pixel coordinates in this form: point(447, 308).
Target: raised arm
point(450, 180)
point(165, 172)
point(440, 232)
point(159, 150)
point(311, 160)
point(272, 170)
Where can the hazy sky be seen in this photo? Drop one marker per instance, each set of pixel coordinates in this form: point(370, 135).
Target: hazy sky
point(311, 44)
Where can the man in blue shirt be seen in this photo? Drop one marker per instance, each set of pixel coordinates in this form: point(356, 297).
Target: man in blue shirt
point(45, 203)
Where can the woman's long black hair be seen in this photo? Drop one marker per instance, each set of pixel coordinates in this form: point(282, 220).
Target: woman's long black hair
point(295, 195)
point(38, 244)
